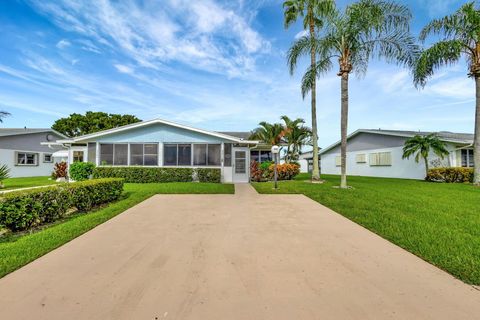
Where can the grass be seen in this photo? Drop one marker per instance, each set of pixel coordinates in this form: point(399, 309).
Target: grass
point(438, 222)
point(16, 183)
point(18, 250)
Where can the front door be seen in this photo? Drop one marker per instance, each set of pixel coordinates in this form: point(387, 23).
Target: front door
point(241, 160)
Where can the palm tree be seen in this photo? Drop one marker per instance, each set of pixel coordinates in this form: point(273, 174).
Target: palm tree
point(296, 135)
point(461, 38)
point(3, 114)
point(271, 133)
point(420, 146)
point(366, 29)
point(313, 12)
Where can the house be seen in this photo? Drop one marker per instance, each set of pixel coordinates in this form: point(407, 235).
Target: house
point(306, 161)
point(161, 143)
point(24, 154)
point(378, 153)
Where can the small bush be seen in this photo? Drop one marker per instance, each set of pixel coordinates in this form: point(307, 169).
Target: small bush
point(265, 165)
point(23, 210)
point(256, 173)
point(145, 175)
point(450, 175)
point(4, 174)
point(60, 170)
point(286, 171)
point(208, 175)
point(80, 171)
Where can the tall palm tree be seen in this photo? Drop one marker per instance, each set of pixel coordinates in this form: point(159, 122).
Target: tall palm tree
point(271, 133)
point(312, 12)
point(3, 114)
point(296, 135)
point(366, 29)
point(420, 147)
point(461, 38)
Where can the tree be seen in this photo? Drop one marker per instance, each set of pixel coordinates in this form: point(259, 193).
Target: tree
point(78, 124)
point(420, 147)
point(271, 133)
point(313, 12)
point(3, 114)
point(296, 135)
point(461, 38)
point(366, 29)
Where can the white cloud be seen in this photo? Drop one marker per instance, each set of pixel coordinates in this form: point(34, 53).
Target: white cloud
point(301, 34)
point(124, 69)
point(62, 44)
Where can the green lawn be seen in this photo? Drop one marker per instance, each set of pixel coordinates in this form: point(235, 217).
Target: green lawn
point(15, 183)
point(437, 222)
point(18, 250)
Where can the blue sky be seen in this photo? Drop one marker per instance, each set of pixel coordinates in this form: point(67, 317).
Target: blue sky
point(213, 64)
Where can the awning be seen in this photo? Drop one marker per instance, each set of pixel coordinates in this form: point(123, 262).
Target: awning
point(60, 154)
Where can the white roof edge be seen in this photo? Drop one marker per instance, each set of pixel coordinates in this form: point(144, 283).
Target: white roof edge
point(381, 133)
point(148, 122)
point(42, 130)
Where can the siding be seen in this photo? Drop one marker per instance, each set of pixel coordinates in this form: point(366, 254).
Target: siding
point(30, 142)
point(370, 141)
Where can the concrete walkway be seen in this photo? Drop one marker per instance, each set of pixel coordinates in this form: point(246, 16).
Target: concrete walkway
point(242, 256)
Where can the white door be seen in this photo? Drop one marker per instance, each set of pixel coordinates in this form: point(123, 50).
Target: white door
point(241, 163)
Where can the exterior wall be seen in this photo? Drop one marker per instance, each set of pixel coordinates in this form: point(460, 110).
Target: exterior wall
point(400, 168)
point(27, 143)
point(370, 141)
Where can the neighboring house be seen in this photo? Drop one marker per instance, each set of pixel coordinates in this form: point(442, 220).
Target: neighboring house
point(378, 153)
point(306, 161)
point(161, 143)
point(22, 151)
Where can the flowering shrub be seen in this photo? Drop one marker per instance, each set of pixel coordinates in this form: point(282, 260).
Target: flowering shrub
point(286, 171)
point(60, 170)
point(449, 175)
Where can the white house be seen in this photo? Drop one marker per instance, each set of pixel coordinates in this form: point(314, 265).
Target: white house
point(378, 153)
point(161, 143)
point(22, 151)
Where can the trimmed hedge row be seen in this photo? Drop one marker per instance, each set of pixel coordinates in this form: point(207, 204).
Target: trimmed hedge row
point(450, 175)
point(152, 175)
point(23, 210)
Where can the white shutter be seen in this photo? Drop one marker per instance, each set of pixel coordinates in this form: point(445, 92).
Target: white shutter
point(361, 158)
point(338, 161)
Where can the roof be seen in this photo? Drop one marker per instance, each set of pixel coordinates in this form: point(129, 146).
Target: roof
point(445, 136)
point(4, 132)
point(154, 121)
point(239, 134)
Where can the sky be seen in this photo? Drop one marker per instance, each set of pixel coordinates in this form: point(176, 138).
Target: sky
point(212, 64)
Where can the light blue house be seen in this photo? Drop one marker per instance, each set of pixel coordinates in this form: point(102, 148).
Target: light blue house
point(160, 143)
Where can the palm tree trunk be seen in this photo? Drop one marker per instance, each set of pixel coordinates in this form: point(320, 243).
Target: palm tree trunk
point(343, 129)
point(426, 166)
point(476, 140)
point(316, 169)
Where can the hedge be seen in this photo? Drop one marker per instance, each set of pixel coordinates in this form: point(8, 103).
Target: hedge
point(23, 210)
point(151, 175)
point(208, 175)
point(450, 175)
point(80, 171)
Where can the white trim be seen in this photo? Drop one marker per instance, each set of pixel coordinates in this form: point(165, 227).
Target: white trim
point(149, 122)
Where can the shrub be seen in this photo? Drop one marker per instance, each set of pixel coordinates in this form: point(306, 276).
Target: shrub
point(22, 210)
point(286, 171)
point(256, 173)
point(265, 165)
point(60, 170)
point(145, 175)
point(450, 175)
point(4, 174)
point(208, 175)
point(80, 171)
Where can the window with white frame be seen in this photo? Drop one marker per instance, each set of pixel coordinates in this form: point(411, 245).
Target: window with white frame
point(143, 154)
point(47, 158)
point(338, 161)
point(26, 159)
point(181, 154)
point(361, 158)
point(467, 158)
point(380, 159)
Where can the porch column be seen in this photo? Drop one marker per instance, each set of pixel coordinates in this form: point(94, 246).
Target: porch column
point(97, 154)
point(160, 154)
point(222, 160)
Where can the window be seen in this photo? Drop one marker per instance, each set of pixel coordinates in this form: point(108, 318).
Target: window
point(338, 161)
point(170, 154)
point(227, 154)
point(467, 158)
point(106, 154)
point(199, 154)
point(26, 159)
point(184, 154)
point(92, 152)
point(255, 156)
point(380, 159)
point(47, 158)
point(143, 154)
point(361, 158)
point(120, 154)
point(77, 156)
point(136, 154)
point(213, 151)
point(265, 156)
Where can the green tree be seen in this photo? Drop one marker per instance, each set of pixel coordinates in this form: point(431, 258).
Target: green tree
point(421, 146)
point(271, 133)
point(3, 114)
point(4, 174)
point(78, 124)
point(312, 12)
point(296, 135)
point(366, 29)
point(461, 38)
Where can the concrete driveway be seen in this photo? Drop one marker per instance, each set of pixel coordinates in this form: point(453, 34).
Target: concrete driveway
point(242, 256)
